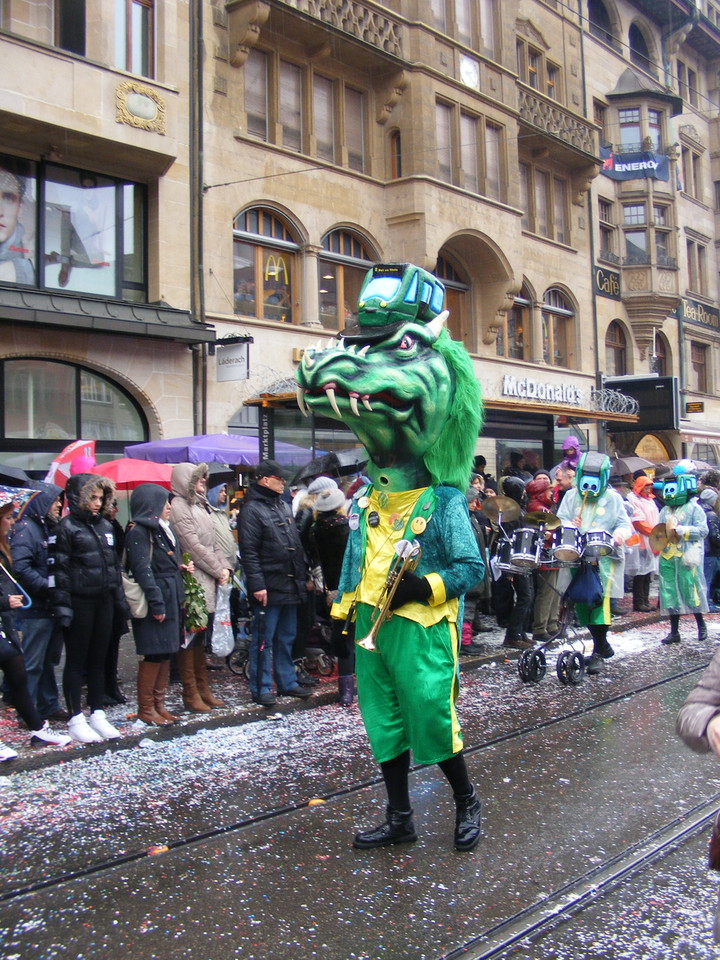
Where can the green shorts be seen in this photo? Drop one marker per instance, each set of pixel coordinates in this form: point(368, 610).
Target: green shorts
point(407, 688)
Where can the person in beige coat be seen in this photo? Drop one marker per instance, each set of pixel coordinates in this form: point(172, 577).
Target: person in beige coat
point(192, 524)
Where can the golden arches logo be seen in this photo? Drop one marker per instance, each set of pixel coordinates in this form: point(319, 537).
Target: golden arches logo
point(274, 266)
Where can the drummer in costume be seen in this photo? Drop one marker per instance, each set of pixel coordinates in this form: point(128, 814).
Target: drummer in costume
point(681, 578)
point(410, 395)
point(591, 505)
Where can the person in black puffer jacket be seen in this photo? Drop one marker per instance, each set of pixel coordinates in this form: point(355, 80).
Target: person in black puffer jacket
point(278, 576)
point(87, 591)
point(41, 634)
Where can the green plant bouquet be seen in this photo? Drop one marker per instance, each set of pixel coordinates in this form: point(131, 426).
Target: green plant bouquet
point(196, 615)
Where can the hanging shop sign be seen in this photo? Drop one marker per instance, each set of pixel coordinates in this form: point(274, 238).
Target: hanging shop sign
point(634, 166)
point(232, 361)
point(606, 283)
point(525, 388)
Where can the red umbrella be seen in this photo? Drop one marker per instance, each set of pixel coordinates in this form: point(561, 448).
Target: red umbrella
point(126, 473)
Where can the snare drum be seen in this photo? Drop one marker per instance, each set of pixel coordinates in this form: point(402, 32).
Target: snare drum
point(526, 547)
point(597, 543)
point(567, 544)
point(504, 550)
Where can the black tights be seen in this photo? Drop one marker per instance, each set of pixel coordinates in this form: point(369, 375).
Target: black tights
point(675, 622)
point(395, 774)
point(14, 670)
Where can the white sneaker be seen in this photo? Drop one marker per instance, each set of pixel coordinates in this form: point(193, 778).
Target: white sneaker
point(6, 753)
point(46, 735)
point(80, 731)
point(100, 724)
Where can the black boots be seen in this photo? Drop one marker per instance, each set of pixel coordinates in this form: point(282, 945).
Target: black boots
point(468, 816)
point(702, 627)
point(346, 688)
point(674, 635)
point(398, 828)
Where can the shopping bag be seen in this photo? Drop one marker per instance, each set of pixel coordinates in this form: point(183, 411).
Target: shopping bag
point(585, 586)
point(223, 640)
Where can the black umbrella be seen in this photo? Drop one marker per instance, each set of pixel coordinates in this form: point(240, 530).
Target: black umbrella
point(631, 464)
point(219, 473)
point(13, 476)
point(351, 461)
point(327, 463)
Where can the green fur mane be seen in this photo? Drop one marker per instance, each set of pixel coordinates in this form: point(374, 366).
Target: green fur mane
point(450, 459)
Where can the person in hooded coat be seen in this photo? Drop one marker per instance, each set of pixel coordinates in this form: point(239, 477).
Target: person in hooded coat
point(640, 562)
point(217, 500)
point(41, 634)
point(153, 558)
point(192, 524)
point(87, 591)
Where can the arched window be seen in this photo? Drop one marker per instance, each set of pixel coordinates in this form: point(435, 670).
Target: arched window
point(514, 334)
point(558, 324)
point(47, 403)
point(660, 359)
point(264, 260)
point(599, 21)
point(615, 351)
point(639, 50)
point(457, 289)
point(341, 270)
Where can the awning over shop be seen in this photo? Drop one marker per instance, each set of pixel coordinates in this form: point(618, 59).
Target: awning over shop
point(573, 414)
point(82, 312)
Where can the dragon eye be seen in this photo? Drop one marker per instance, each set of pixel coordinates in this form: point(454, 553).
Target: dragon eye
point(407, 343)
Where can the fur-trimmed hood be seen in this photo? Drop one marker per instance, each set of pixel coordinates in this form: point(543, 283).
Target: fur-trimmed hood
point(183, 479)
point(78, 490)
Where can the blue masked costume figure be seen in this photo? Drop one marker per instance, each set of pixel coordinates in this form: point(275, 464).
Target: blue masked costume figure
point(682, 581)
point(410, 395)
point(596, 510)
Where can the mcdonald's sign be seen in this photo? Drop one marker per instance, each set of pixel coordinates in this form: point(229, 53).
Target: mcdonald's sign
point(273, 267)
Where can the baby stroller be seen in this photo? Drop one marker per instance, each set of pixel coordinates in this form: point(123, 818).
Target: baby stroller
point(241, 615)
point(318, 651)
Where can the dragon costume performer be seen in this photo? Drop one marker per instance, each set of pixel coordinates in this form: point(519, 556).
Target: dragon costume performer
point(591, 505)
point(682, 585)
point(408, 392)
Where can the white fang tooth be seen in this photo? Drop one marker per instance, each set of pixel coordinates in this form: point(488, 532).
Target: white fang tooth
point(341, 344)
point(363, 350)
point(353, 404)
point(352, 349)
point(300, 394)
point(332, 345)
point(366, 403)
point(330, 394)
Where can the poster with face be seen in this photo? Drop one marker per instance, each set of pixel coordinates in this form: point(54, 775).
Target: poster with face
point(17, 220)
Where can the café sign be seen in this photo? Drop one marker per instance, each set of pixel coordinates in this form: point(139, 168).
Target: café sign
point(607, 283)
point(526, 388)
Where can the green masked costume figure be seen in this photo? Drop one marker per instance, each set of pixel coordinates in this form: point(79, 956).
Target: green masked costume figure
point(682, 584)
point(409, 394)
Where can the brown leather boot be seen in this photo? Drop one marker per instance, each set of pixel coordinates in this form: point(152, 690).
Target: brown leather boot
point(159, 692)
point(191, 698)
point(202, 680)
point(147, 673)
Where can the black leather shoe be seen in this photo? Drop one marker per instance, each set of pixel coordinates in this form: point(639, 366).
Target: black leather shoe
point(398, 828)
point(468, 817)
point(592, 666)
point(606, 651)
point(265, 699)
point(671, 638)
point(297, 691)
point(702, 633)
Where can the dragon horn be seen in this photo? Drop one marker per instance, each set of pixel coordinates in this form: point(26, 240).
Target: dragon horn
point(435, 326)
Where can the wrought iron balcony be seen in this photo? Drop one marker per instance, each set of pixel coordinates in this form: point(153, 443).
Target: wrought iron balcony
point(636, 259)
point(605, 256)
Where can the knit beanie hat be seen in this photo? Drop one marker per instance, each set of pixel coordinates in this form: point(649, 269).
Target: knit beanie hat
point(321, 483)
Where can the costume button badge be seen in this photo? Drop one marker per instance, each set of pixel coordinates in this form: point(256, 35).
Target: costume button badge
point(418, 524)
point(363, 502)
point(353, 521)
point(373, 519)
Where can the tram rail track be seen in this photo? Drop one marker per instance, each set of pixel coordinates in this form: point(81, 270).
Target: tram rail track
point(111, 863)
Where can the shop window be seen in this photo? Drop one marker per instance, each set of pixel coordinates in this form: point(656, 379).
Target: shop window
point(544, 203)
point(639, 50)
point(558, 326)
point(513, 336)
point(48, 400)
point(341, 270)
point(264, 258)
point(135, 36)
point(615, 351)
point(94, 231)
point(70, 26)
point(457, 291)
point(697, 267)
point(698, 365)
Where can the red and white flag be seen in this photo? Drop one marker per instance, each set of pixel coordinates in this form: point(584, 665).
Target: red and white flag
point(60, 467)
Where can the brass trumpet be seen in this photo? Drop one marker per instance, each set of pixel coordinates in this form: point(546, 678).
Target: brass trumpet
point(406, 559)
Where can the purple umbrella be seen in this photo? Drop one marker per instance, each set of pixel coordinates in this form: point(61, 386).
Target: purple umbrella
point(213, 448)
